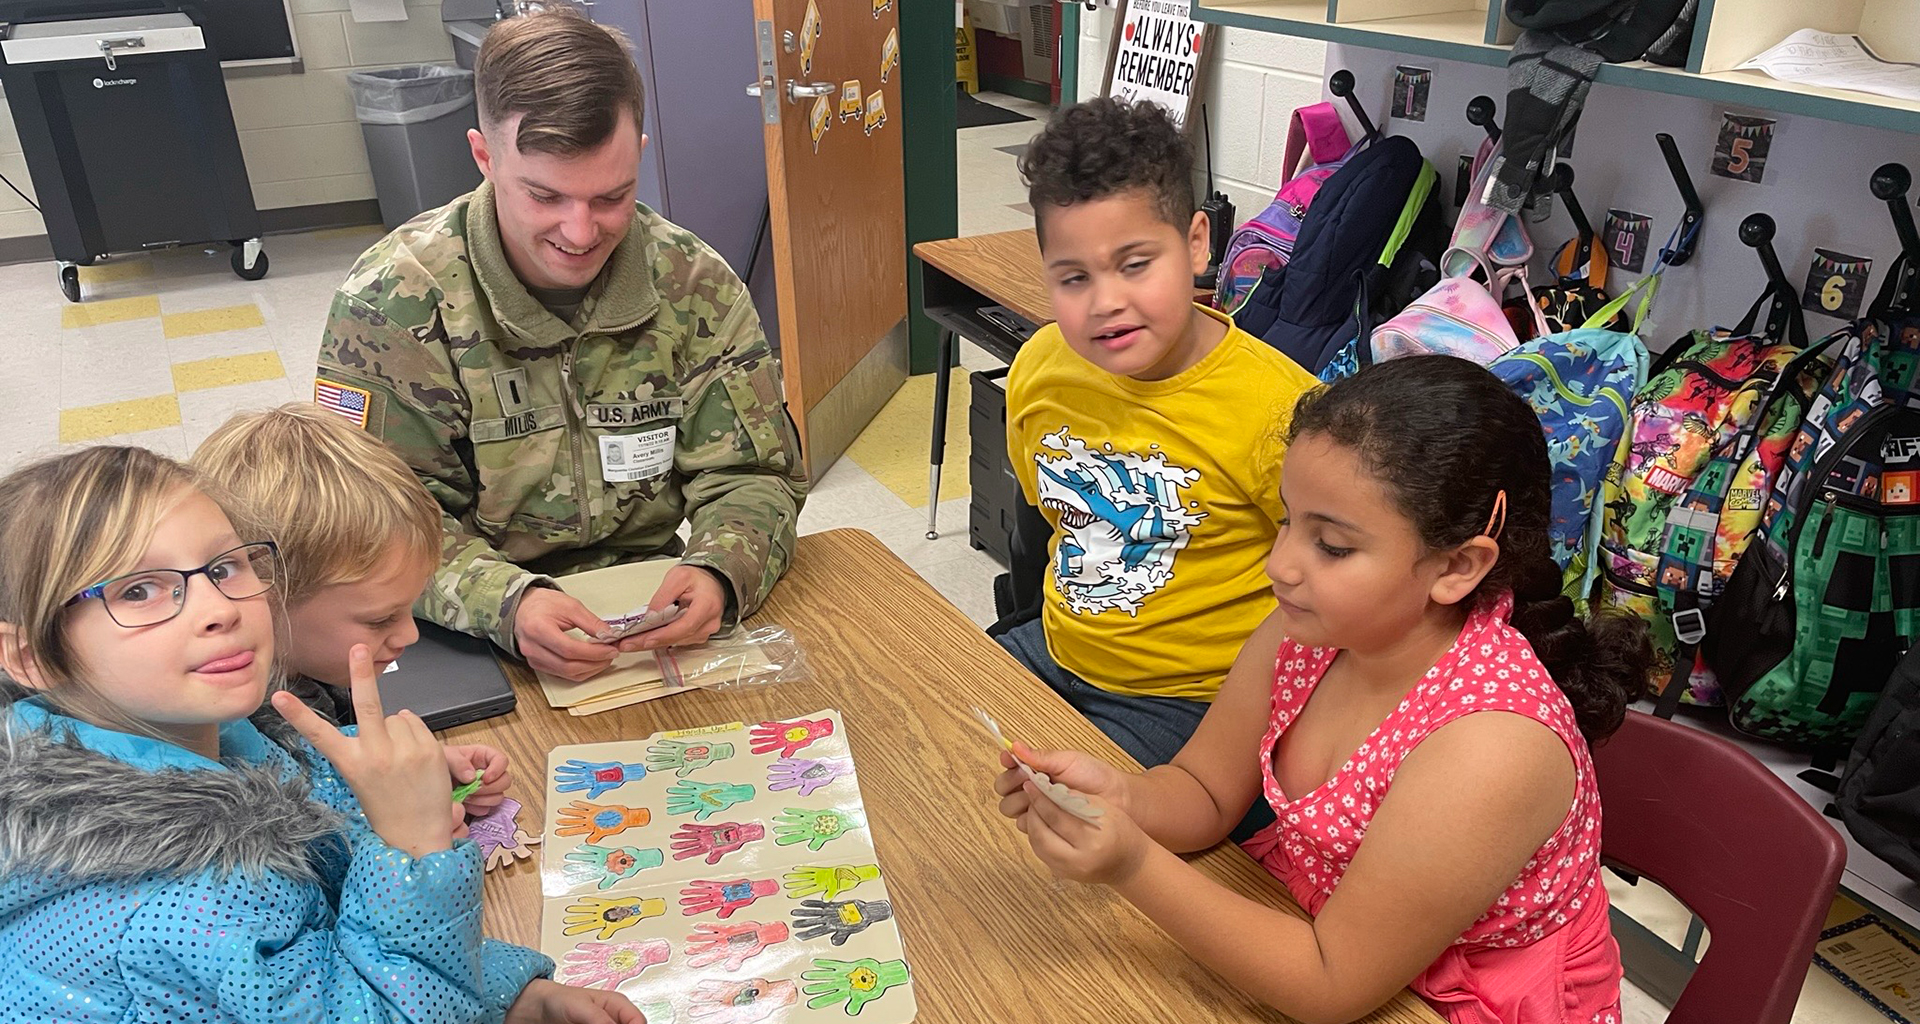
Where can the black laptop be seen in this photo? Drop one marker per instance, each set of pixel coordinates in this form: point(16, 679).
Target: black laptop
point(447, 679)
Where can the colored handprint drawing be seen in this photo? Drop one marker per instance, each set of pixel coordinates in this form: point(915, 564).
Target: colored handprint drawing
point(596, 777)
point(705, 799)
point(740, 1002)
point(838, 920)
point(608, 916)
point(828, 881)
point(715, 841)
point(608, 866)
point(682, 757)
point(609, 965)
point(500, 836)
point(726, 897)
point(854, 983)
point(731, 945)
point(815, 828)
point(598, 821)
point(805, 775)
point(788, 737)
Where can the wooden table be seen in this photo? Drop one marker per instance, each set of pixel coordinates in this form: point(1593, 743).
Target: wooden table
point(989, 934)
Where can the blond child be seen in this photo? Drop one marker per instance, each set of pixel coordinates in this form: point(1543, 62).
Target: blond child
point(170, 849)
point(359, 538)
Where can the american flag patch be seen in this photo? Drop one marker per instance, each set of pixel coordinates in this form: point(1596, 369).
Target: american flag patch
point(350, 402)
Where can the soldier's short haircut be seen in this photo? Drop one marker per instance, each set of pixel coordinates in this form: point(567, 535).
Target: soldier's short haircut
point(335, 497)
point(572, 79)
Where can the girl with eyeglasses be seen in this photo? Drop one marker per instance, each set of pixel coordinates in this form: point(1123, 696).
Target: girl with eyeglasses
point(171, 848)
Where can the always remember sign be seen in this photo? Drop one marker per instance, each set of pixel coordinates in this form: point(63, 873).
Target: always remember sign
point(1155, 56)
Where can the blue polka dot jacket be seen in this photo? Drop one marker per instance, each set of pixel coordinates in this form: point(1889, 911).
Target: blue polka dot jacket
point(140, 881)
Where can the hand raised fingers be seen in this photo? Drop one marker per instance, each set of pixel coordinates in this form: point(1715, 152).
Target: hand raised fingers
point(365, 686)
point(324, 736)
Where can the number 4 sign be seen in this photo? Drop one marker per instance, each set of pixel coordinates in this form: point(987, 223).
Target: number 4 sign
point(1741, 151)
point(1835, 284)
point(1626, 239)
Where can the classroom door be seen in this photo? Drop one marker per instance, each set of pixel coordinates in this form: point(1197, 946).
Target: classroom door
point(829, 92)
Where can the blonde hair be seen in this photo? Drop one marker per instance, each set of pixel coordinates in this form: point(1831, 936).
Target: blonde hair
point(572, 79)
point(332, 495)
point(72, 521)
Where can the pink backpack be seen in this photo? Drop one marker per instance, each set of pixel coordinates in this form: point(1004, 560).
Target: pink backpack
point(1267, 239)
point(1462, 315)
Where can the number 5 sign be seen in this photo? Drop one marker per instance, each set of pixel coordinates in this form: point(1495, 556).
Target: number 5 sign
point(1741, 151)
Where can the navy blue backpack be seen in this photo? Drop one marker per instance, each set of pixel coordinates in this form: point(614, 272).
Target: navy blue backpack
point(1307, 308)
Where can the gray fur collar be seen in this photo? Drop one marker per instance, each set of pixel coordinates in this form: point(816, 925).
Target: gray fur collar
point(66, 810)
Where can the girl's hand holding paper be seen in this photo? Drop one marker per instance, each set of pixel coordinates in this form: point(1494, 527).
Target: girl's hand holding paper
point(1108, 850)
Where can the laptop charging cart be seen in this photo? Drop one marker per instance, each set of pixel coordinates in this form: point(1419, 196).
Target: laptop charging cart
point(129, 140)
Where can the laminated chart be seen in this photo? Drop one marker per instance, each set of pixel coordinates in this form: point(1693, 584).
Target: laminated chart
point(722, 875)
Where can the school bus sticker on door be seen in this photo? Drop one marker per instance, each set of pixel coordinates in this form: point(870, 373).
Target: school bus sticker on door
point(809, 35)
point(819, 119)
point(889, 53)
point(876, 111)
point(850, 106)
point(881, 5)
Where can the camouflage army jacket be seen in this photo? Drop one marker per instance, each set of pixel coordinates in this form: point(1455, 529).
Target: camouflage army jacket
point(555, 448)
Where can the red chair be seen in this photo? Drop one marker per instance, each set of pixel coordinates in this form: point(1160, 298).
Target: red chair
point(1701, 818)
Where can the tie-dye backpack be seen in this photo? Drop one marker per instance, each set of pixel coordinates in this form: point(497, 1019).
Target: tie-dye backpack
point(1461, 315)
point(1579, 383)
point(1693, 426)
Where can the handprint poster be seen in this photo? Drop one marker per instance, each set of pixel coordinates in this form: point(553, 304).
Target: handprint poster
point(722, 875)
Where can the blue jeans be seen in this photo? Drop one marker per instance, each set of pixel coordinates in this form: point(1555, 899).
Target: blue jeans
point(1150, 729)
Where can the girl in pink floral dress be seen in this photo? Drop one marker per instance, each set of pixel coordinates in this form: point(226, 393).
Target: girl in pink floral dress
point(1437, 847)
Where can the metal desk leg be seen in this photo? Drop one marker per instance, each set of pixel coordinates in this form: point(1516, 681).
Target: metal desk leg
point(942, 367)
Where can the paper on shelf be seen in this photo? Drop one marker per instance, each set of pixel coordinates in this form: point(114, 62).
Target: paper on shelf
point(1840, 62)
point(377, 10)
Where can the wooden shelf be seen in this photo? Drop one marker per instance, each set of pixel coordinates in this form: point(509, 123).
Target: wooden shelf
point(1462, 36)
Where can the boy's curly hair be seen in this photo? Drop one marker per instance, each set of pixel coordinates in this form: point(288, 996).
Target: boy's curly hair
point(1104, 147)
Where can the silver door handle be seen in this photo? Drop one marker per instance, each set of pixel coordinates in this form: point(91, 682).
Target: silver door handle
point(796, 91)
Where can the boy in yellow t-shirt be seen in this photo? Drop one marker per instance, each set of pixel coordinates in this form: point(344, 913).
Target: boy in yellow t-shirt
point(1147, 429)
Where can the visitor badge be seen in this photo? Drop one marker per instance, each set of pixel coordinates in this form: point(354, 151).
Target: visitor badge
point(625, 458)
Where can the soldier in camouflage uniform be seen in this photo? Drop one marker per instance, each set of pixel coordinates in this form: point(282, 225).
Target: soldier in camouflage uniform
point(571, 375)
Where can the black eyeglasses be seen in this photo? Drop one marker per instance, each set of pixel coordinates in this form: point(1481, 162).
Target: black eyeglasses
point(152, 596)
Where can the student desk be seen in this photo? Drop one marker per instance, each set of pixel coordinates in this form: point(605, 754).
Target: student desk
point(990, 936)
point(960, 276)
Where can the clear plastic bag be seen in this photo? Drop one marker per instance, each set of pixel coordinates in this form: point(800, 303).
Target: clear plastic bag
point(409, 95)
point(757, 657)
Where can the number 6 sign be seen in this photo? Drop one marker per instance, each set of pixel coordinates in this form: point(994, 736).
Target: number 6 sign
point(1835, 284)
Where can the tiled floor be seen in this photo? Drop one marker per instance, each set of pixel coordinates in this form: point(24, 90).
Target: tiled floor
point(165, 347)
point(991, 195)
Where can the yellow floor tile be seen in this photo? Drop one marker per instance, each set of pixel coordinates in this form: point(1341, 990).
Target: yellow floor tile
point(209, 321)
point(894, 446)
point(92, 421)
point(109, 311)
point(108, 273)
point(221, 371)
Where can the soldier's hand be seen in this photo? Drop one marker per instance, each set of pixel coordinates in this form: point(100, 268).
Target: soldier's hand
point(698, 591)
point(540, 627)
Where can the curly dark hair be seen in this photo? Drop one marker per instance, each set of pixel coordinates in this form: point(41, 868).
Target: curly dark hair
point(1445, 436)
point(1104, 147)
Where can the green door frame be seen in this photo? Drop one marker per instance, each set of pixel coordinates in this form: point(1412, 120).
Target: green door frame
point(927, 137)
